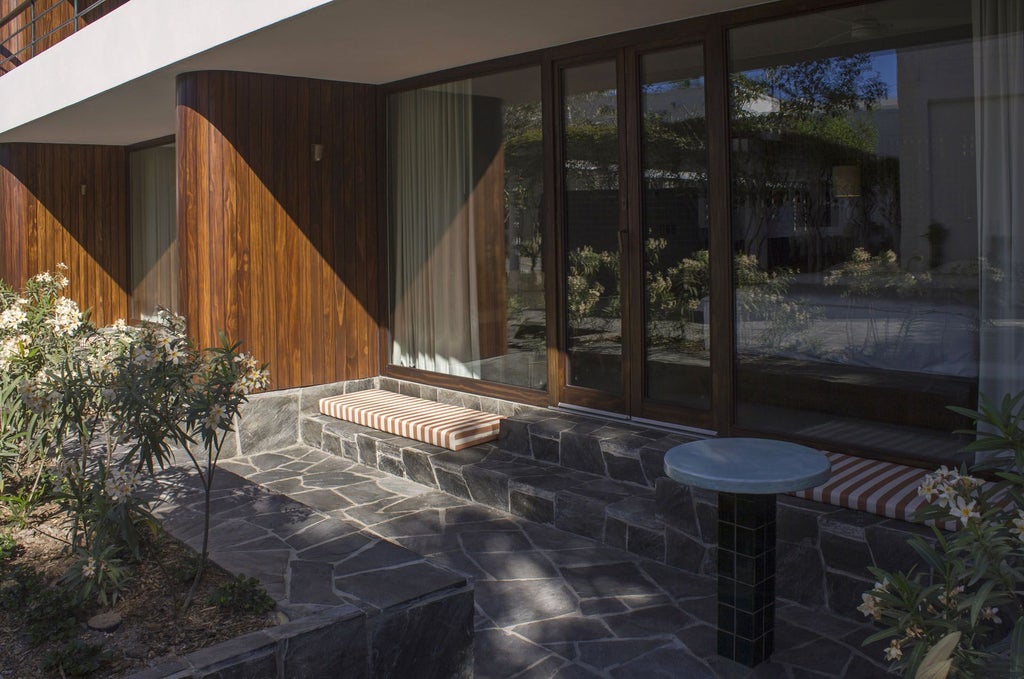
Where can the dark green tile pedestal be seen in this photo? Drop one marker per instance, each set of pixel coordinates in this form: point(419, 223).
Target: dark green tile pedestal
point(746, 577)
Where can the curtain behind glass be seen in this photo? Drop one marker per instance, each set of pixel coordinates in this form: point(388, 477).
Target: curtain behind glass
point(435, 325)
point(154, 231)
point(999, 119)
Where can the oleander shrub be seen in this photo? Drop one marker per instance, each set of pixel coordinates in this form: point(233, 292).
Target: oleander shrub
point(960, 613)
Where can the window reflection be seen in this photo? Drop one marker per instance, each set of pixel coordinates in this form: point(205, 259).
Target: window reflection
point(854, 223)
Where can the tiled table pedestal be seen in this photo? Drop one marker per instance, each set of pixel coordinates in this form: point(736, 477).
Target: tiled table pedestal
point(747, 473)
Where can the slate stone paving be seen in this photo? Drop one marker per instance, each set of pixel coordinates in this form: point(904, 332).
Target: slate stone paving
point(550, 603)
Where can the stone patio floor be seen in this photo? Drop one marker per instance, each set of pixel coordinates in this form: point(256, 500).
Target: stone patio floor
point(552, 604)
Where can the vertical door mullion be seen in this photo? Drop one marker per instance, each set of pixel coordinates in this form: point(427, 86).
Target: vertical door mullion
point(632, 278)
point(554, 231)
point(720, 236)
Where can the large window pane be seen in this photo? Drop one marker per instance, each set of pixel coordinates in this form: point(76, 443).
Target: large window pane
point(590, 115)
point(154, 231)
point(466, 180)
point(675, 223)
point(855, 225)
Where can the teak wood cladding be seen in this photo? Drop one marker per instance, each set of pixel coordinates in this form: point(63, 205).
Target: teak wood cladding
point(278, 250)
point(46, 219)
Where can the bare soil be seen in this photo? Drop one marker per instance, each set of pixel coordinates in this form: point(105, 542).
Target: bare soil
point(152, 625)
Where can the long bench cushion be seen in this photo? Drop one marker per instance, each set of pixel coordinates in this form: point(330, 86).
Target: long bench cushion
point(439, 424)
point(882, 488)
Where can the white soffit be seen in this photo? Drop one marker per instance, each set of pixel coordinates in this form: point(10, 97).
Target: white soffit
point(113, 82)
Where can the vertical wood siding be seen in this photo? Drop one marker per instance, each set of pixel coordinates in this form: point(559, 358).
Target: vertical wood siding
point(277, 250)
point(45, 219)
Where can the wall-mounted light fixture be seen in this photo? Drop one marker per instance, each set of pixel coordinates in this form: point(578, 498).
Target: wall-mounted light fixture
point(318, 152)
point(845, 181)
point(83, 189)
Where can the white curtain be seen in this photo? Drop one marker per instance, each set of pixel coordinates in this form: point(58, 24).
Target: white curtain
point(999, 121)
point(435, 309)
point(154, 231)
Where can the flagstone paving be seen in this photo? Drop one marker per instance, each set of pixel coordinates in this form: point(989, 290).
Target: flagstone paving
point(553, 604)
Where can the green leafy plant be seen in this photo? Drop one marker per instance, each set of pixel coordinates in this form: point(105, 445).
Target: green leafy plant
point(9, 547)
point(242, 595)
point(106, 408)
point(971, 579)
point(76, 658)
point(101, 576)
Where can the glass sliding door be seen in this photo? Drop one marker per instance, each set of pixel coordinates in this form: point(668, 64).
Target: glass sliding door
point(860, 253)
point(593, 225)
point(675, 253)
point(635, 223)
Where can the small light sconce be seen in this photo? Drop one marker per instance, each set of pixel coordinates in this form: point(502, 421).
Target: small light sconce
point(83, 189)
point(318, 152)
point(845, 181)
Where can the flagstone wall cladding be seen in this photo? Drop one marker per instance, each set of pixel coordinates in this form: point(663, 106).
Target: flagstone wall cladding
point(603, 480)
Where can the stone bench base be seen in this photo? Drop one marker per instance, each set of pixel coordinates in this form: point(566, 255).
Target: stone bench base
point(603, 480)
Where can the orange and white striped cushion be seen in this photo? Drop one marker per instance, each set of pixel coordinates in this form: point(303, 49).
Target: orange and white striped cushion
point(439, 424)
point(874, 486)
point(881, 488)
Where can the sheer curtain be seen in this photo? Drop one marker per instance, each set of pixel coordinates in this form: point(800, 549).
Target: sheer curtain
point(999, 122)
point(435, 324)
point(154, 239)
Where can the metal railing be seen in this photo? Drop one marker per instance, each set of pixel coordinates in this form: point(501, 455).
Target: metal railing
point(31, 35)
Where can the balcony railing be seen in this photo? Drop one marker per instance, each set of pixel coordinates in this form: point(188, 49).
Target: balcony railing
point(33, 26)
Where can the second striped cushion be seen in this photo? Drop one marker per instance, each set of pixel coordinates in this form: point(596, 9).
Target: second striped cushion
point(874, 486)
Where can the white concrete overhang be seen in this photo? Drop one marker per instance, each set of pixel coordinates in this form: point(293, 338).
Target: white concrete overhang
point(114, 81)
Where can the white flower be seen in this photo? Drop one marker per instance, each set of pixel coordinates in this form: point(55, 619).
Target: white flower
point(214, 416)
point(990, 613)
point(927, 488)
point(1018, 525)
point(894, 652)
point(964, 510)
point(89, 569)
point(120, 484)
point(871, 606)
point(13, 317)
point(947, 495)
point(60, 278)
point(949, 600)
point(970, 482)
point(174, 355)
point(66, 317)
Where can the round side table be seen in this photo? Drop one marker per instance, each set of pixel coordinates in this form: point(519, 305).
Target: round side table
point(747, 473)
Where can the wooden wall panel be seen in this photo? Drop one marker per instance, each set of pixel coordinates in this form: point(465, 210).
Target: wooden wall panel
point(46, 219)
point(277, 250)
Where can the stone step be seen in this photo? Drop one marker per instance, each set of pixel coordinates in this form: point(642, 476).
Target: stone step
point(617, 450)
point(823, 551)
point(619, 513)
point(581, 474)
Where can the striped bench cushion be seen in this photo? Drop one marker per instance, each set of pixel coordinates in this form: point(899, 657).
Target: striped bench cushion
point(439, 424)
point(874, 486)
